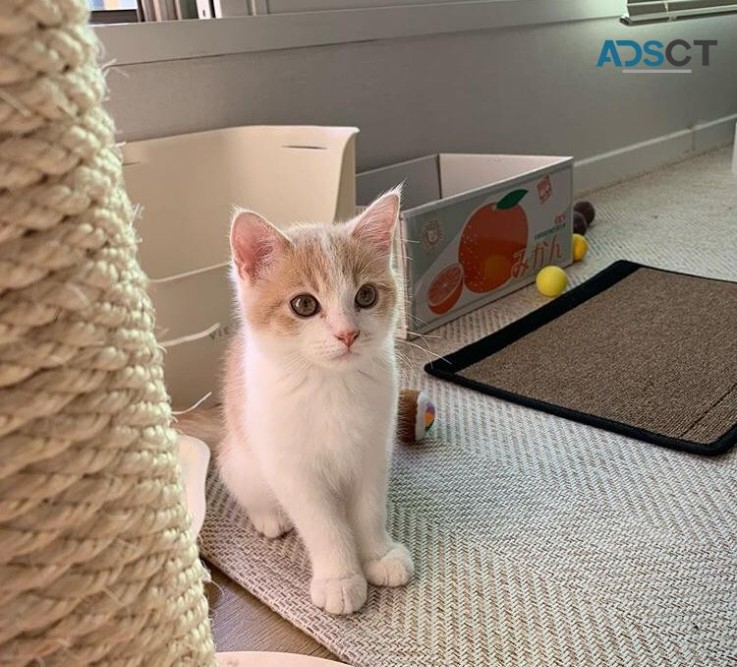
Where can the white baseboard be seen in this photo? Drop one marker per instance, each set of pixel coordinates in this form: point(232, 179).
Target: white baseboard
point(624, 163)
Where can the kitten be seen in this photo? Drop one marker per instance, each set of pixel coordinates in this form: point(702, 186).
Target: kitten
point(310, 395)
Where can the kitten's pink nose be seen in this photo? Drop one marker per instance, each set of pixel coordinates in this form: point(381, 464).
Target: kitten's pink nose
point(348, 337)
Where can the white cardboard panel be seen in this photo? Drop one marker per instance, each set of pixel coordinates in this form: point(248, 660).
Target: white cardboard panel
point(421, 180)
point(188, 186)
point(463, 172)
point(194, 369)
point(193, 303)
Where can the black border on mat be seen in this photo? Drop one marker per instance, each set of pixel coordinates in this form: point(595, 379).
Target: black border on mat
point(449, 366)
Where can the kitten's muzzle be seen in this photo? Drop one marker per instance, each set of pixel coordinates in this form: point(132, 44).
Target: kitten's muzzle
point(348, 337)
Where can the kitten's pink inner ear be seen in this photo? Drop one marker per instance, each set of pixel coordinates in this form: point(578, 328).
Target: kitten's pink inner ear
point(376, 224)
point(255, 244)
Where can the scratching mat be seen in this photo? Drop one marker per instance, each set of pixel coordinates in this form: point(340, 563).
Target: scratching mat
point(643, 352)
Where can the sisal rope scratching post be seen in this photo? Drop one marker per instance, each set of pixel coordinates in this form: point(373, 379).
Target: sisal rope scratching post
point(97, 566)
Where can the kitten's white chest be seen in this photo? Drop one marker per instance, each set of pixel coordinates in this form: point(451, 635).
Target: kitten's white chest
point(327, 421)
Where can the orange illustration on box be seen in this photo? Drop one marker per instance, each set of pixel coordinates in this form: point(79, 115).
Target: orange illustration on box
point(492, 237)
point(445, 289)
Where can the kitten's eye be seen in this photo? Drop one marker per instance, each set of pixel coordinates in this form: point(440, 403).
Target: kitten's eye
point(366, 296)
point(305, 305)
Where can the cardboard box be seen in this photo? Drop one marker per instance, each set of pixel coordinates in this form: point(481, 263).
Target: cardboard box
point(474, 228)
point(187, 187)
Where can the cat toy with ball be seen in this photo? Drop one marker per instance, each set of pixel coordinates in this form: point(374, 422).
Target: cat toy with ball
point(583, 217)
point(580, 247)
point(415, 415)
point(583, 210)
point(552, 280)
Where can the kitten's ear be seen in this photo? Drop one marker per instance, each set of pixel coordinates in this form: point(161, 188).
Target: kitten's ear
point(376, 224)
point(255, 244)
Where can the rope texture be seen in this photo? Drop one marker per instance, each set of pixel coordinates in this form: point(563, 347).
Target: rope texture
point(96, 561)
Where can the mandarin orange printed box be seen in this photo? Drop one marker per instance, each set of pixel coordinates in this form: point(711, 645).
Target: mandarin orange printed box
point(473, 228)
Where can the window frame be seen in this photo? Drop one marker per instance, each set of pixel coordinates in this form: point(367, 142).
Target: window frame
point(678, 11)
point(114, 16)
point(117, 14)
point(138, 43)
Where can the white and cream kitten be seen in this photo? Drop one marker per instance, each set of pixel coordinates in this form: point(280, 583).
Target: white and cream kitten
point(310, 395)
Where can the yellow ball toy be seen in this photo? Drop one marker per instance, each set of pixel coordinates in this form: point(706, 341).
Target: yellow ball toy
point(580, 247)
point(551, 281)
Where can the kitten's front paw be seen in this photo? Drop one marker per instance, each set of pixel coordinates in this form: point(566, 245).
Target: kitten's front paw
point(394, 568)
point(270, 524)
point(340, 596)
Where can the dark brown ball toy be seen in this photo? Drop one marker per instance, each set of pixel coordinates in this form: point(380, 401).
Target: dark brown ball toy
point(579, 224)
point(586, 208)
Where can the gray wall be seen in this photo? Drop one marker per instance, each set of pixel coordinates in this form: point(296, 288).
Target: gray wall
point(522, 90)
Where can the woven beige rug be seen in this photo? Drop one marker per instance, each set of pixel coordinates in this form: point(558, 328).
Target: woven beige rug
point(540, 541)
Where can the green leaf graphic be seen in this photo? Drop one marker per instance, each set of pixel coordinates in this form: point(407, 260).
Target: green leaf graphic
point(511, 199)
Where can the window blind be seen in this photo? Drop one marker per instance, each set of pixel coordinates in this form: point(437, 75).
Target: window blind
point(640, 11)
